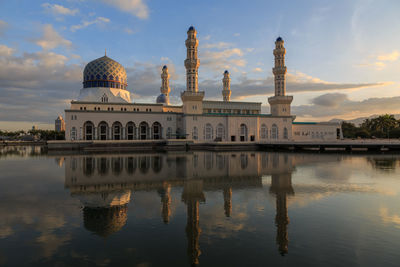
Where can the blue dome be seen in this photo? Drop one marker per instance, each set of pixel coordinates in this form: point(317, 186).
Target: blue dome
point(226, 71)
point(162, 99)
point(279, 39)
point(165, 66)
point(191, 28)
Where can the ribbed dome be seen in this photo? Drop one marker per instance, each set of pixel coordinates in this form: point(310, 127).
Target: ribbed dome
point(104, 72)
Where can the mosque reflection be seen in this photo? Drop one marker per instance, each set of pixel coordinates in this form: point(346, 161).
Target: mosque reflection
point(104, 184)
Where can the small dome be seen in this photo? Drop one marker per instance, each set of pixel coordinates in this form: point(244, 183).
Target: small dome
point(191, 28)
point(226, 72)
point(279, 39)
point(104, 72)
point(165, 67)
point(162, 99)
point(105, 221)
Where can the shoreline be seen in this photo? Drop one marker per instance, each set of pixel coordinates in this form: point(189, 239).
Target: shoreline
point(185, 145)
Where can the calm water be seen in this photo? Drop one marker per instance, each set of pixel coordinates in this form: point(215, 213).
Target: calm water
point(198, 208)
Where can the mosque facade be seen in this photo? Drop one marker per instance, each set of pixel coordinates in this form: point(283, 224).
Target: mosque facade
point(104, 110)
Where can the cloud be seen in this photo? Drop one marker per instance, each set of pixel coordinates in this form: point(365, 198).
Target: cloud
point(329, 100)
point(59, 10)
point(145, 81)
point(35, 86)
point(333, 105)
point(296, 82)
point(6, 51)
point(389, 57)
point(51, 39)
point(218, 57)
point(389, 219)
point(137, 8)
point(379, 60)
point(220, 45)
point(257, 70)
point(3, 27)
point(85, 23)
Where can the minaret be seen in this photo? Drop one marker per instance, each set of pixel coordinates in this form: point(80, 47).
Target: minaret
point(165, 89)
point(165, 193)
point(192, 63)
point(280, 103)
point(192, 98)
point(226, 91)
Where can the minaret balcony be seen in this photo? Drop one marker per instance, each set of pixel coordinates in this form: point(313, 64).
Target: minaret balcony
point(279, 70)
point(192, 63)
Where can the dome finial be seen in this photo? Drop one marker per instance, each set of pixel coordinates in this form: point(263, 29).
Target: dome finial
point(105, 52)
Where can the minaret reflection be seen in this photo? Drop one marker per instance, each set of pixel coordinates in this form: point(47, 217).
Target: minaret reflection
point(165, 194)
point(192, 195)
point(281, 186)
point(228, 201)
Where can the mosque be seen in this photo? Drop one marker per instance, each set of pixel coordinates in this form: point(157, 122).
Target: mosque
point(104, 110)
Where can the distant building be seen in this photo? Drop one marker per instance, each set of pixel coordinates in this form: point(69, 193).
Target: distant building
point(59, 124)
point(34, 128)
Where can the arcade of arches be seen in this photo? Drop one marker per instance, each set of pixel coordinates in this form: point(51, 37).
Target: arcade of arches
point(118, 131)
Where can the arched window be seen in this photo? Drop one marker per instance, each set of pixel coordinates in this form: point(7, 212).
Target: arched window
point(143, 130)
point(102, 166)
point(208, 132)
point(88, 130)
point(130, 131)
point(73, 133)
point(156, 130)
point(104, 98)
point(98, 76)
point(88, 166)
point(117, 131)
point(208, 161)
point(103, 131)
point(116, 165)
point(117, 79)
point(195, 133)
point(244, 161)
point(104, 77)
point(111, 78)
point(263, 132)
point(130, 165)
point(156, 164)
point(144, 164)
point(243, 132)
point(220, 132)
point(285, 133)
point(92, 77)
point(169, 133)
point(274, 132)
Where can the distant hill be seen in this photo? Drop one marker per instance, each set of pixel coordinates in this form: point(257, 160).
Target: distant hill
point(358, 121)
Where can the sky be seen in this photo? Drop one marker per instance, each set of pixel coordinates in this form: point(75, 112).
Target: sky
point(343, 56)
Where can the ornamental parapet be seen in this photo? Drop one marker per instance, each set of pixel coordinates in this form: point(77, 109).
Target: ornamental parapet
point(287, 99)
point(279, 70)
point(192, 63)
point(192, 96)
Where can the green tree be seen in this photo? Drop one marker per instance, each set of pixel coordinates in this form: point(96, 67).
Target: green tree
point(381, 125)
point(349, 129)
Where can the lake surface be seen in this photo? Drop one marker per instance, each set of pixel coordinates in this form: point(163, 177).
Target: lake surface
point(198, 208)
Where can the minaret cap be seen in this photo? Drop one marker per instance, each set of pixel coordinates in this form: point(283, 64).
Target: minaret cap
point(279, 39)
point(191, 28)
